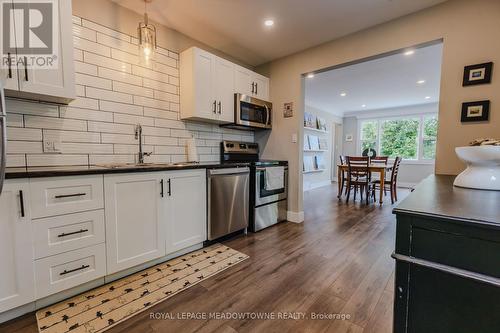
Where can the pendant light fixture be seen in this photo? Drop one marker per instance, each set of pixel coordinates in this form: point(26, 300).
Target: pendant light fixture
point(147, 36)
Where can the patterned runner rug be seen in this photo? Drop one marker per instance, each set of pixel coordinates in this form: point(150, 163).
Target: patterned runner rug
point(101, 308)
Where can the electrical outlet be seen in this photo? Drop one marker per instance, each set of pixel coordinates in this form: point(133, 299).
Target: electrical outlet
point(51, 146)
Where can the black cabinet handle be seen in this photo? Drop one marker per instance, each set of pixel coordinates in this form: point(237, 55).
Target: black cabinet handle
point(73, 233)
point(61, 196)
point(215, 106)
point(169, 188)
point(220, 107)
point(161, 184)
point(26, 68)
point(21, 201)
point(256, 88)
point(74, 270)
point(253, 87)
point(9, 61)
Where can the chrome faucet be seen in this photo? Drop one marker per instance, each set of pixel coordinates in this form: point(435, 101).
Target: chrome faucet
point(138, 136)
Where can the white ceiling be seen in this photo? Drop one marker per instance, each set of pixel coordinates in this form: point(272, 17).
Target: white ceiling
point(387, 82)
point(236, 26)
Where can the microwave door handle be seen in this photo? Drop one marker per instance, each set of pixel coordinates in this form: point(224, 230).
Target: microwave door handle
point(268, 115)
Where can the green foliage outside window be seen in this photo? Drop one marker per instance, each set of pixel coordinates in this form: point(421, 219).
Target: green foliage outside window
point(399, 138)
point(429, 137)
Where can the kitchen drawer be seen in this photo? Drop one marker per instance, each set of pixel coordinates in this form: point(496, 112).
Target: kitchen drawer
point(470, 251)
point(58, 234)
point(65, 195)
point(66, 270)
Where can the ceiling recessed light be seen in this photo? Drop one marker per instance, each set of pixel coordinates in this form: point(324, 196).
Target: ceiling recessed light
point(420, 81)
point(343, 94)
point(363, 106)
point(427, 97)
point(269, 23)
point(409, 52)
point(310, 75)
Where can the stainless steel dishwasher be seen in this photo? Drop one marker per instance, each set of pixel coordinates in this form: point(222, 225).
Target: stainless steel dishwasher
point(228, 200)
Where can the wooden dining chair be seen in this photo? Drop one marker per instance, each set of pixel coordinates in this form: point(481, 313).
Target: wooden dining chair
point(358, 177)
point(379, 160)
point(343, 177)
point(390, 184)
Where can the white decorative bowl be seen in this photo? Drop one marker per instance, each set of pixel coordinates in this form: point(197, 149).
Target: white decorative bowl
point(483, 167)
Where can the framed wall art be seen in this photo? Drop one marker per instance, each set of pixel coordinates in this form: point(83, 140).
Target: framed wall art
point(477, 74)
point(475, 111)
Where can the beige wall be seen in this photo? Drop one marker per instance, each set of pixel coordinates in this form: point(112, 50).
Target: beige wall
point(469, 30)
point(109, 14)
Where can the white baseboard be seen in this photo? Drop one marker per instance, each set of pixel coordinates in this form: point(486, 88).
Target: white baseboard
point(296, 217)
point(312, 186)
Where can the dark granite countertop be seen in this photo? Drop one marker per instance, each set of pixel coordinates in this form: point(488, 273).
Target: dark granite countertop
point(56, 171)
point(437, 197)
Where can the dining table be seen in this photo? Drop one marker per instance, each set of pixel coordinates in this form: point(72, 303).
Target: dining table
point(381, 169)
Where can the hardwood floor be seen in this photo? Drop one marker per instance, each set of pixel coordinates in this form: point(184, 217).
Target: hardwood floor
point(336, 262)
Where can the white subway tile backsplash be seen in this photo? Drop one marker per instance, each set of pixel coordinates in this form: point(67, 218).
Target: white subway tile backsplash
point(16, 160)
point(104, 30)
point(86, 114)
point(56, 159)
point(55, 123)
point(92, 81)
point(122, 118)
point(115, 92)
point(132, 89)
point(101, 61)
point(83, 32)
point(89, 46)
point(24, 147)
point(86, 103)
point(121, 108)
point(24, 134)
point(108, 95)
point(119, 75)
point(71, 136)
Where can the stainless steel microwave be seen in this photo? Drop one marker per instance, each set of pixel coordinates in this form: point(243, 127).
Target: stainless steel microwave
point(252, 113)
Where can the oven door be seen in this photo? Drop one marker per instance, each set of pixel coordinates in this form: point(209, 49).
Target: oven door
point(263, 196)
point(252, 112)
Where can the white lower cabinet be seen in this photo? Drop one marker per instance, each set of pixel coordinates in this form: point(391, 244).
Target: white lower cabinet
point(135, 207)
point(69, 269)
point(187, 217)
point(17, 284)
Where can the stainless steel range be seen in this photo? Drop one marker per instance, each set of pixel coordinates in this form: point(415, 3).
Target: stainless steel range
point(268, 183)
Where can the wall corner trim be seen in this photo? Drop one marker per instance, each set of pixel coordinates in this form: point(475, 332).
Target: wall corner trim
point(295, 217)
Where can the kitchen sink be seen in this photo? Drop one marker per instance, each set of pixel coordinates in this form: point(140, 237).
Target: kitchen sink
point(134, 165)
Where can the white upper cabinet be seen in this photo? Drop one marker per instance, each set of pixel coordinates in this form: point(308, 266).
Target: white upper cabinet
point(17, 281)
point(223, 83)
point(135, 210)
point(251, 83)
point(208, 84)
point(187, 213)
point(25, 80)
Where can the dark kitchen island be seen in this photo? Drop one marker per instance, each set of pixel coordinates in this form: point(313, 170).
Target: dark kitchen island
point(447, 259)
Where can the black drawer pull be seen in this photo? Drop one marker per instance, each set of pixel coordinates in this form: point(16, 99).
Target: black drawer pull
point(74, 270)
point(73, 233)
point(21, 201)
point(70, 195)
point(169, 188)
point(161, 184)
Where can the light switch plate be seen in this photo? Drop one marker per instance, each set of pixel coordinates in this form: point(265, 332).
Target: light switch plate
point(294, 138)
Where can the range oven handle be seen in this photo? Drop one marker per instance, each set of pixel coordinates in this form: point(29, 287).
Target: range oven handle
point(228, 171)
point(264, 169)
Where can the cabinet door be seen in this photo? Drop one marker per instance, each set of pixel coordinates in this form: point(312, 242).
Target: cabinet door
point(59, 82)
point(224, 89)
point(135, 219)
point(261, 87)
point(17, 282)
point(187, 217)
point(205, 102)
point(9, 73)
point(243, 80)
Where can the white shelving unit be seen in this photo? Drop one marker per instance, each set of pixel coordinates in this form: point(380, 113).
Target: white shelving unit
point(315, 130)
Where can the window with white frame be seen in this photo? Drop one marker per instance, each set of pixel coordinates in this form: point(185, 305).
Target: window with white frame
point(410, 137)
